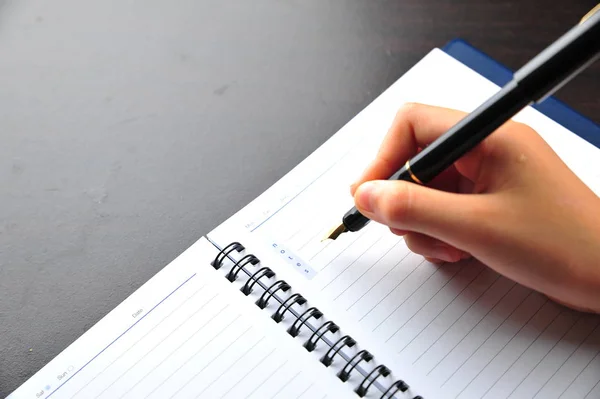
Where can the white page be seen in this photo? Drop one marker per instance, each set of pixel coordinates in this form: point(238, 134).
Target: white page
point(186, 333)
point(454, 330)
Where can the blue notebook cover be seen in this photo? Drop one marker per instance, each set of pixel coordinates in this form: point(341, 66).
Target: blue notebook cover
point(500, 75)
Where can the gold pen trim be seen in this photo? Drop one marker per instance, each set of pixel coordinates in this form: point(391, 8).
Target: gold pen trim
point(590, 13)
point(412, 175)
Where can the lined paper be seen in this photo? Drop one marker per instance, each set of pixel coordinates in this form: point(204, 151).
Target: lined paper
point(187, 333)
point(458, 330)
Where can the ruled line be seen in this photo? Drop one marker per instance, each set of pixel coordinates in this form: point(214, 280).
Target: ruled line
point(567, 359)
point(121, 335)
point(209, 363)
point(294, 234)
point(227, 368)
point(140, 339)
point(173, 351)
point(195, 353)
point(445, 307)
point(489, 336)
point(591, 390)
point(270, 375)
point(310, 239)
point(261, 361)
point(286, 384)
point(150, 351)
point(367, 270)
point(305, 390)
point(505, 345)
point(542, 359)
point(407, 298)
point(351, 263)
point(582, 370)
point(434, 295)
point(394, 289)
point(382, 277)
point(467, 333)
point(343, 250)
point(321, 250)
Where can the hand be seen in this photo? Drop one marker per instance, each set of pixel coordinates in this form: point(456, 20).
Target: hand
point(511, 203)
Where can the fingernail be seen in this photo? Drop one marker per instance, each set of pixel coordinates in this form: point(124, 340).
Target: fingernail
point(443, 254)
point(446, 253)
point(352, 188)
point(366, 196)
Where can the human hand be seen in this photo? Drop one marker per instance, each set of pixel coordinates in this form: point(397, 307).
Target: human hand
point(511, 203)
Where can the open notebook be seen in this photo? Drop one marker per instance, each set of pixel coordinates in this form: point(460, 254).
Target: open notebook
point(261, 308)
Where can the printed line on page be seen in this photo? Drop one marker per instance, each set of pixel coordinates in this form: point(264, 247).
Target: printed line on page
point(432, 297)
point(327, 244)
point(468, 332)
point(489, 336)
point(367, 270)
point(311, 239)
point(533, 341)
point(408, 297)
point(590, 391)
point(176, 349)
point(150, 351)
point(541, 360)
point(327, 170)
point(382, 277)
point(359, 235)
point(582, 370)
point(193, 355)
point(123, 333)
point(228, 367)
point(294, 234)
point(269, 375)
point(210, 361)
point(248, 372)
point(138, 341)
point(305, 390)
point(394, 289)
point(445, 307)
point(286, 384)
point(351, 263)
point(505, 345)
point(567, 359)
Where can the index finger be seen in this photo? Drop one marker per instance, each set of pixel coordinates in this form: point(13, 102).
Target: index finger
point(414, 127)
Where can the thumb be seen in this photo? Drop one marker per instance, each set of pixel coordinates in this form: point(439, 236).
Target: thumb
point(449, 217)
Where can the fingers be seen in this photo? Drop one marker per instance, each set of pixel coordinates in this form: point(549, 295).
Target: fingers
point(449, 217)
point(432, 249)
point(415, 126)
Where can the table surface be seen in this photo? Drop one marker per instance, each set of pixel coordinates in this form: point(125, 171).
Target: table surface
point(125, 124)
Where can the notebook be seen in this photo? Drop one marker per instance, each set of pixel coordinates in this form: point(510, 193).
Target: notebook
point(261, 308)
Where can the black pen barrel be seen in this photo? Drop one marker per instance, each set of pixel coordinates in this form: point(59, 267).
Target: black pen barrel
point(467, 133)
point(562, 60)
point(540, 77)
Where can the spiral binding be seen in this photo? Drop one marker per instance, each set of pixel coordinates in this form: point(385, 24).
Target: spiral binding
point(263, 301)
point(286, 306)
point(237, 266)
point(291, 300)
point(346, 340)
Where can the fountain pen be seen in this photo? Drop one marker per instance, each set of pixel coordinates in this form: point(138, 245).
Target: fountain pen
point(539, 78)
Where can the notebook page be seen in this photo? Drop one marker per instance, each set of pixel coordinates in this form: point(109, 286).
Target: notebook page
point(186, 333)
point(454, 330)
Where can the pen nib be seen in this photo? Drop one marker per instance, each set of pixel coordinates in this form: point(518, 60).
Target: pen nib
point(335, 232)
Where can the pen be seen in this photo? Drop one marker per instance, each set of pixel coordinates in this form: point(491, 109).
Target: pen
point(536, 80)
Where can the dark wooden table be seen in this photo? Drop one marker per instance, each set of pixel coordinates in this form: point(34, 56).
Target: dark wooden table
point(123, 127)
point(510, 31)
